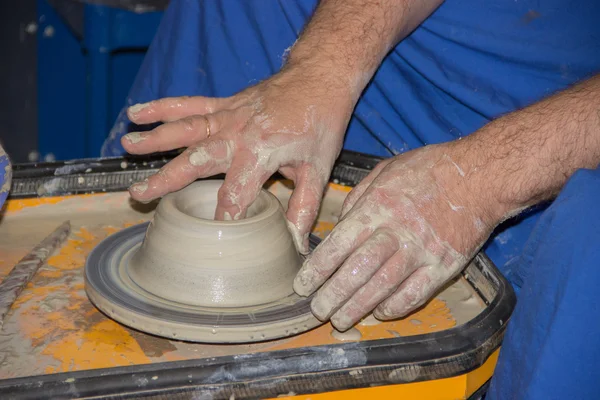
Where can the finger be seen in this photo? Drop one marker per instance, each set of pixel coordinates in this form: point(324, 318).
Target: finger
point(330, 254)
point(304, 204)
point(354, 273)
point(174, 108)
point(210, 157)
point(357, 192)
point(385, 281)
point(288, 172)
point(242, 185)
point(413, 292)
point(174, 135)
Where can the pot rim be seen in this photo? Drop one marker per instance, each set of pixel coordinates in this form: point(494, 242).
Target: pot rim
point(169, 205)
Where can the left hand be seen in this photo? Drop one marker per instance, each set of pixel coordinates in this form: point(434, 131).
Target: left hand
point(293, 123)
point(404, 231)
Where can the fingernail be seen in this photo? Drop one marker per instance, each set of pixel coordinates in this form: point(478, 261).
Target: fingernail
point(381, 314)
point(135, 137)
point(303, 283)
point(341, 322)
point(321, 307)
point(136, 108)
point(140, 187)
point(300, 241)
point(229, 216)
point(305, 245)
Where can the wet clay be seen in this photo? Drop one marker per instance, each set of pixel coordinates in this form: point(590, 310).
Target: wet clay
point(188, 257)
point(369, 320)
point(350, 335)
point(187, 276)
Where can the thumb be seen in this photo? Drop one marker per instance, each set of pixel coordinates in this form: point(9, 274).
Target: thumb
point(362, 187)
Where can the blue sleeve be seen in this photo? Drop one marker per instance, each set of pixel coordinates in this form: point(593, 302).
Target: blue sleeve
point(552, 344)
point(469, 62)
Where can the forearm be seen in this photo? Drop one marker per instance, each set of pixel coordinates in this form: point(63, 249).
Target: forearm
point(346, 40)
point(526, 157)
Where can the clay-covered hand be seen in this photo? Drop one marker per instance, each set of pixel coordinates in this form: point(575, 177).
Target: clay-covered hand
point(290, 123)
point(404, 231)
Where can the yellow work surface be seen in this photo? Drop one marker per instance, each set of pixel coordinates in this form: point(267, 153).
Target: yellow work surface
point(54, 328)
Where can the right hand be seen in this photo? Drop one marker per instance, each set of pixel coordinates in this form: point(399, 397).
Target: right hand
point(410, 226)
point(293, 123)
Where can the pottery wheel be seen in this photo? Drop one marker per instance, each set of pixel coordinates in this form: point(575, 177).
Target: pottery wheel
point(111, 289)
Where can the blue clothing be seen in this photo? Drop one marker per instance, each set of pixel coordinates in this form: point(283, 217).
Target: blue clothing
point(5, 176)
point(551, 348)
point(468, 63)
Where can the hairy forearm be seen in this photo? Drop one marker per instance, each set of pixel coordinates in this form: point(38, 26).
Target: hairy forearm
point(526, 157)
point(346, 40)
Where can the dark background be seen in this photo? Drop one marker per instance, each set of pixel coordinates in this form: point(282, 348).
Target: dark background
point(47, 49)
point(18, 78)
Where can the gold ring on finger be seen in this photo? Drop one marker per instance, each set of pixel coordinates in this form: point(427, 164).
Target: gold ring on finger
point(207, 127)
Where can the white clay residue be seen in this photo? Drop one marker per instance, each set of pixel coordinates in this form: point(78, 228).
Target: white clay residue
point(136, 108)
point(435, 259)
point(351, 335)
point(199, 157)
point(203, 154)
point(298, 241)
point(370, 320)
point(462, 300)
point(135, 137)
point(140, 187)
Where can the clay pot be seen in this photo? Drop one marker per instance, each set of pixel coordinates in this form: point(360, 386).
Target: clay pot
point(189, 258)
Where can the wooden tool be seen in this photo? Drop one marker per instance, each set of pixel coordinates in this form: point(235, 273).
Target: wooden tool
point(14, 283)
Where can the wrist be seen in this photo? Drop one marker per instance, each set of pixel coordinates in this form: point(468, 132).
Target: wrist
point(329, 94)
point(329, 71)
point(509, 167)
point(493, 188)
point(526, 157)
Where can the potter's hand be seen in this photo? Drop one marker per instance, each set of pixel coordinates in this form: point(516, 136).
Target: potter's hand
point(404, 231)
point(414, 222)
point(293, 122)
point(290, 123)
